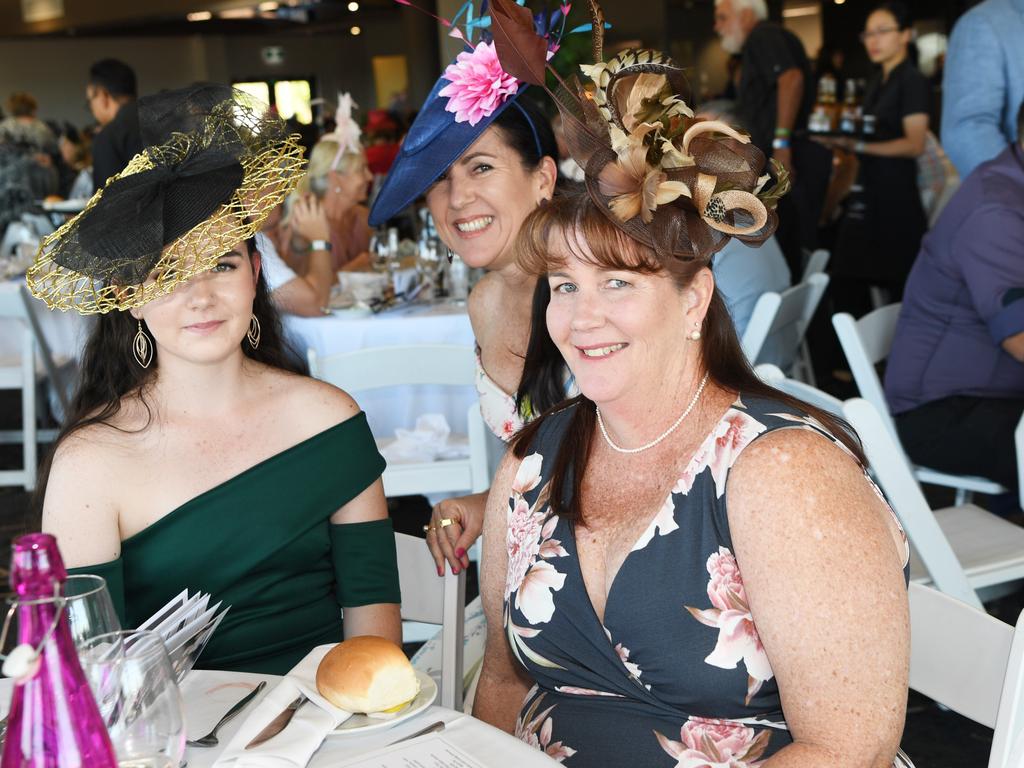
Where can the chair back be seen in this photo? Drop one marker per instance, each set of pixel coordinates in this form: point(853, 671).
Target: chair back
point(437, 364)
point(783, 316)
point(19, 373)
point(866, 343)
point(815, 264)
point(969, 662)
point(760, 324)
point(423, 364)
point(894, 474)
point(434, 599)
point(773, 376)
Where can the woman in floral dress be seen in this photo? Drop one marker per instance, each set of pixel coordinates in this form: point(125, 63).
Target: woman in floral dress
point(682, 566)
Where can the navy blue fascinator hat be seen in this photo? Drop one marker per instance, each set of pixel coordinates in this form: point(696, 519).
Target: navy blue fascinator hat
point(470, 95)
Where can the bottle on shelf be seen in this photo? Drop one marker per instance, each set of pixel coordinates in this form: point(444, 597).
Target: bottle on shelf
point(849, 117)
point(824, 116)
point(54, 721)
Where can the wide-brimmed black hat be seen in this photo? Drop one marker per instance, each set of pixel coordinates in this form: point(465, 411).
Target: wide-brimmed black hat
point(216, 162)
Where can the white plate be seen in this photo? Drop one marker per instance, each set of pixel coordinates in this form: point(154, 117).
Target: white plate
point(360, 724)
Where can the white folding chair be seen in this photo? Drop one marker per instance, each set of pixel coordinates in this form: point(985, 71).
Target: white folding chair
point(971, 663)
point(815, 264)
point(773, 376)
point(963, 550)
point(1018, 441)
point(431, 599)
point(435, 364)
point(866, 342)
point(19, 373)
point(784, 316)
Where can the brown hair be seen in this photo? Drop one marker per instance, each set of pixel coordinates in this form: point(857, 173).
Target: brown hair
point(576, 220)
point(21, 104)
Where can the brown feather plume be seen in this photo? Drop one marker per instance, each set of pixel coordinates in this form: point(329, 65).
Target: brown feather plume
point(522, 52)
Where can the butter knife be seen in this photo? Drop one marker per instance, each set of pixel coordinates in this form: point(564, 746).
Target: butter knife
point(432, 728)
point(278, 724)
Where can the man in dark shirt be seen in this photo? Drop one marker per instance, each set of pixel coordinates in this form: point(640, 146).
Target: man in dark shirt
point(955, 376)
point(776, 96)
point(111, 95)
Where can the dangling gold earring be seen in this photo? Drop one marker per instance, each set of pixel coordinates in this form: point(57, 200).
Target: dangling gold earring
point(142, 349)
point(253, 334)
point(450, 254)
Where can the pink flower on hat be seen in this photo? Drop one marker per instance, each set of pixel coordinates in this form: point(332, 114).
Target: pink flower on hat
point(477, 84)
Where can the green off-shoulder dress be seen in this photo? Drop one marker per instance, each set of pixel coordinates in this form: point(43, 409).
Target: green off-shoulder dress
point(263, 544)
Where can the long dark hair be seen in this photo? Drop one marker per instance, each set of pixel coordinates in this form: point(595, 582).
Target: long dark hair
point(527, 130)
point(574, 219)
point(109, 373)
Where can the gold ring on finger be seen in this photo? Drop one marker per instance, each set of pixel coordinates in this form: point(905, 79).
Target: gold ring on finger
point(444, 522)
point(428, 528)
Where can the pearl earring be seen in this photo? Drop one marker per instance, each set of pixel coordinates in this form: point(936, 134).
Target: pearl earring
point(695, 336)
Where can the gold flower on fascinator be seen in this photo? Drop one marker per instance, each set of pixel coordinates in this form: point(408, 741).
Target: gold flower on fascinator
point(677, 184)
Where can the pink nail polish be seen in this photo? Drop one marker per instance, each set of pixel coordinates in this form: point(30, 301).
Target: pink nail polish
point(460, 552)
point(455, 570)
point(440, 570)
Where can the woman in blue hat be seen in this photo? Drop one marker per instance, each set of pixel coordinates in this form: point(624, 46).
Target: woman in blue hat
point(485, 158)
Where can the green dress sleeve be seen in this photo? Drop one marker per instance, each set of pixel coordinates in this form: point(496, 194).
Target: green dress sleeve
point(365, 563)
point(113, 573)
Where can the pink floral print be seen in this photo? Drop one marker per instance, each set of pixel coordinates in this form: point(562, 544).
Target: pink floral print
point(708, 743)
point(730, 615)
point(536, 730)
point(530, 544)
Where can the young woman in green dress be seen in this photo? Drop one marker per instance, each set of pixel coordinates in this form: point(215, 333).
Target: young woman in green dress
point(197, 455)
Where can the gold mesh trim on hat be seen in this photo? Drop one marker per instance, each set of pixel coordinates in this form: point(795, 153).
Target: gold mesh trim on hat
point(269, 175)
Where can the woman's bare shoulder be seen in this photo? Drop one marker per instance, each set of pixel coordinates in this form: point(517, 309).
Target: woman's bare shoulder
point(308, 404)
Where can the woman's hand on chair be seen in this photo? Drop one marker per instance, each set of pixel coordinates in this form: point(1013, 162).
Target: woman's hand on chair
point(455, 524)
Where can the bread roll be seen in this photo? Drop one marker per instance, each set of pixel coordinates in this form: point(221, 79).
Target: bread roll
point(366, 674)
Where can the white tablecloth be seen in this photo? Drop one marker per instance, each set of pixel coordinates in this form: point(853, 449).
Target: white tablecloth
point(394, 407)
point(209, 694)
point(65, 332)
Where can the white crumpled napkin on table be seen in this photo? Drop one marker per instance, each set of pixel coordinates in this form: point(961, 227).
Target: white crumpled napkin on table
point(295, 745)
point(429, 441)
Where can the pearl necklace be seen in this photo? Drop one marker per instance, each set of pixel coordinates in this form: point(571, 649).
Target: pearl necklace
point(663, 435)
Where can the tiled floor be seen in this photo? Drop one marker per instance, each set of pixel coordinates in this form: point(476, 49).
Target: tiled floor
point(933, 738)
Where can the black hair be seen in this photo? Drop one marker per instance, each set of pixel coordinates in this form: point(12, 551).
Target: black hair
point(109, 373)
point(525, 128)
point(899, 11)
point(115, 76)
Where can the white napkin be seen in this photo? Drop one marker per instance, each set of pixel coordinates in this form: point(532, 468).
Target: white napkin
point(427, 442)
point(295, 745)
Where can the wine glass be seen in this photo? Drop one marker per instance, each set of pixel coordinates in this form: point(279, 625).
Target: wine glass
point(131, 677)
point(89, 607)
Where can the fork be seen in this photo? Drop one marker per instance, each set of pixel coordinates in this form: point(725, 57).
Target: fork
point(210, 739)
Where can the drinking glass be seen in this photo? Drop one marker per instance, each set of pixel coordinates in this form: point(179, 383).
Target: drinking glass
point(89, 607)
point(131, 677)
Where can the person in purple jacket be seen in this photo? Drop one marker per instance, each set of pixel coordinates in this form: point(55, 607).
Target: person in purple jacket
point(955, 377)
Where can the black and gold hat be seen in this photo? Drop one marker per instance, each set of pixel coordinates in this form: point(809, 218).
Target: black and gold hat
point(216, 162)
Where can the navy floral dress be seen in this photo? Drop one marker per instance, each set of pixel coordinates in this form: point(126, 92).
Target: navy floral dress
point(676, 675)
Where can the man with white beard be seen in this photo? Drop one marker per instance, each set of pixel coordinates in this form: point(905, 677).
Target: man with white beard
point(776, 95)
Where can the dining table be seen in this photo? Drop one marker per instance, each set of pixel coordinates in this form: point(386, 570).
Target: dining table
point(467, 742)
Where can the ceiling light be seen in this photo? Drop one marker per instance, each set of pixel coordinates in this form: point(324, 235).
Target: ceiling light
point(237, 13)
point(200, 16)
point(353, 6)
point(840, 2)
point(267, 7)
point(356, 31)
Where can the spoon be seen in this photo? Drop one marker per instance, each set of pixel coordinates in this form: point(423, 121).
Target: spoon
point(210, 739)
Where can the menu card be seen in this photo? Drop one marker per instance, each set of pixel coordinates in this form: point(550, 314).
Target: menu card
point(186, 624)
point(432, 751)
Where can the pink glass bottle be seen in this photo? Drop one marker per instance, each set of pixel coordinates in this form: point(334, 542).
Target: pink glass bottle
point(54, 721)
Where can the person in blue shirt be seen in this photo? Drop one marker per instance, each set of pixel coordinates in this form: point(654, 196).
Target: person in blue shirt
point(955, 376)
point(983, 83)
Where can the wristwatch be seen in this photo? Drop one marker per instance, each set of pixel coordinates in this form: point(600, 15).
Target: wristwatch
point(320, 245)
